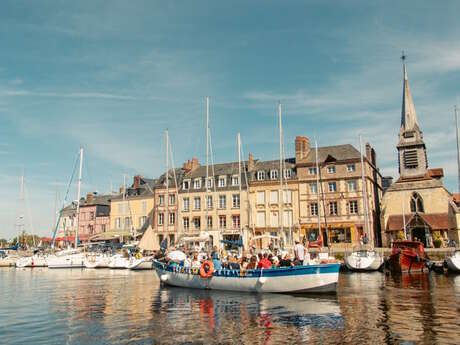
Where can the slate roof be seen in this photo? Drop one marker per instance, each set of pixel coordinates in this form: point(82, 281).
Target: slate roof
point(336, 152)
point(436, 221)
point(97, 200)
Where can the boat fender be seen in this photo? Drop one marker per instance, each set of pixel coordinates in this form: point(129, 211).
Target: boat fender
point(195, 270)
point(164, 277)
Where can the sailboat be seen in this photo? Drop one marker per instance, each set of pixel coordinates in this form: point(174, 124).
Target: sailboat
point(72, 257)
point(364, 259)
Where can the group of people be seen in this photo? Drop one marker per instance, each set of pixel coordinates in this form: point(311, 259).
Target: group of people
point(271, 258)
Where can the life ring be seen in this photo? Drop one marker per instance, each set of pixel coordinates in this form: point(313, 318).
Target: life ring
point(206, 269)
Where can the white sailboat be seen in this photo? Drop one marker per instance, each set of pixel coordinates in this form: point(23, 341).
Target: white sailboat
point(364, 259)
point(96, 260)
point(71, 258)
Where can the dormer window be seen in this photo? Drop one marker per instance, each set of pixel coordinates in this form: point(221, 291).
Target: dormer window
point(197, 183)
point(235, 181)
point(209, 182)
point(331, 169)
point(287, 173)
point(222, 181)
point(260, 175)
point(273, 174)
point(351, 168)
point(186, 184)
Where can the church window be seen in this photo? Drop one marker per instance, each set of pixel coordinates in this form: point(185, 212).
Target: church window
point(410, 159)
point(416, 203)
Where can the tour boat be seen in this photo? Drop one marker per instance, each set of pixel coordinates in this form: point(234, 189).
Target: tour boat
point(453, 262)
point(364, 260)
point(36, 260)
point(143, 263)
point(96, 260)
point(69, 258)
point(407, 256)
point(298, 279)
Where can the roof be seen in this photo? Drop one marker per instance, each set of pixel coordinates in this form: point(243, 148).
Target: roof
point(408, 115)
point(217, 169)
point(436, 221)
point(173, 174)
point(329, 153)
point(97, 200)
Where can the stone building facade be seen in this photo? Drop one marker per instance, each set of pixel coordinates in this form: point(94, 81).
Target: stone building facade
point(94, 216)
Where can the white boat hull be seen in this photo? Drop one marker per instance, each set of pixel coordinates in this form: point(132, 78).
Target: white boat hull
point(66, 261)
point(300, 279)
point(7, 262)
point(118, 262)
point(453, 262)
point(368, 261)
point(96, 261)
point(144, 263)
point(32, 261)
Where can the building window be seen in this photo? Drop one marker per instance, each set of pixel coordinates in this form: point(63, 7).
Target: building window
point(197, 183)
point(222, 181)
point(209, 222)
point(91, 215)
point(186, 185)
point(313, 188)
point(260, 175)
point(314, 209)
point(333, 209)
point(142, 221)
point(103, 227)
point(127, 222)
point(161, 200)
point(197, 203)
point(312, 171)
point(144, 206)
point(186, 223)
point(287, 195)
point(287, 173)
point(273, 174)
point(235, 181)
point(340, 235)
point(331, 169)
point(353, 206)
point(235, 222)
point(351, 168)
point(351, 185)
point(261, 197)
point(274, 221)
point(260, 219)
point(172, 218)
point(222, 201)
point(287, 219)
point(332, 186)
point(172, 199)
point(416, 203)
point(273, 197)
point(236, 201)
point(209, 185)
point(161, 218)
point(117, 223)
point(197, 223)
point(222, 222)
point(186, 204)
point(209, 202)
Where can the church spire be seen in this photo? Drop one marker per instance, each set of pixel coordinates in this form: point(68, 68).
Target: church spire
point(408, 115)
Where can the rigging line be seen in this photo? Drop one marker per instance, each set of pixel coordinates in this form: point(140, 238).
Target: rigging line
point(246, 183)
point(177, 187)
point(26, 194)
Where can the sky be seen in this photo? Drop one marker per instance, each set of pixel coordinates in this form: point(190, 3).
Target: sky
point(111, 76)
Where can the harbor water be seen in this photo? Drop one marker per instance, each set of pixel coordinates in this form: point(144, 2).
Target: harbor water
point(42, 306)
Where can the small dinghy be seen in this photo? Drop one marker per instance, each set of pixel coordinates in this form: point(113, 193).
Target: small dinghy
point(453, 262)
point(298, 279)
point(364, 260)
point(407, 257)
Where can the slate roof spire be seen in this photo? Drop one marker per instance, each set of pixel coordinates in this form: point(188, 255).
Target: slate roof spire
point(408, 116)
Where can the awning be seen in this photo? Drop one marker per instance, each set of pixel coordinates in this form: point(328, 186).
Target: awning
point(111, 235)
point(71, 238)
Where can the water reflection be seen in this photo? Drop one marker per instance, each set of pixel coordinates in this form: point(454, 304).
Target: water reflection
point(42, 306)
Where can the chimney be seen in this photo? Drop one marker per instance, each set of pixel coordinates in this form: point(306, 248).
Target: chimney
point(250, 162)
point(189, 165)
point(302, 148)
point(195, 164)
point(137, 181)
point(89, 198)
point(369, 152)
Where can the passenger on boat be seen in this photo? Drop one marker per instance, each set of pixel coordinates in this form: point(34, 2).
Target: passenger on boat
point(252, 265)
point(264, 262)
point(299, 253)
point(286, 261)
point(195, 261)
point(232, 263)
point(188, 262)
point(215, 259)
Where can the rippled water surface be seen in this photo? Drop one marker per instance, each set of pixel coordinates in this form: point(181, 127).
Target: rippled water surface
point(42, 306)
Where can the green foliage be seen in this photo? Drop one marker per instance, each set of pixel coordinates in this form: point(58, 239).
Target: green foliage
point(437, 243)
point(3, 242)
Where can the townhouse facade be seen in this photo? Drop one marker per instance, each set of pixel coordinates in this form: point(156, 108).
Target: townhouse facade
point(94, 216)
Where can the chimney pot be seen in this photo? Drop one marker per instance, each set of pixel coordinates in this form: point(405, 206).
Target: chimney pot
point(302, 148)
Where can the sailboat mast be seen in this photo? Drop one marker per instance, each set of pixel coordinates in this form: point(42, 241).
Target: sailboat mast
point(239, 179)
point(56, 203)
point(281, 196)
point(458, 146)
point(78, 197)
point(365, 210)
point(166, 220)
point(317, 189)
point(207, 163)
point(21, 208)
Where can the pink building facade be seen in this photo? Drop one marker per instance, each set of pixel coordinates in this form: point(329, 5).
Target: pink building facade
point(94, 216)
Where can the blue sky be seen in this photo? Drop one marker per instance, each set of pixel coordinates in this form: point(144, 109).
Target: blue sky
point(111, 76)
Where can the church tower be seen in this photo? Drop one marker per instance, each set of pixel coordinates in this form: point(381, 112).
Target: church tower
point(412, 158)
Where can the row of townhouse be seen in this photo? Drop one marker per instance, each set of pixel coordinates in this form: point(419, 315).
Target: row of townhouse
point(257, 205)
